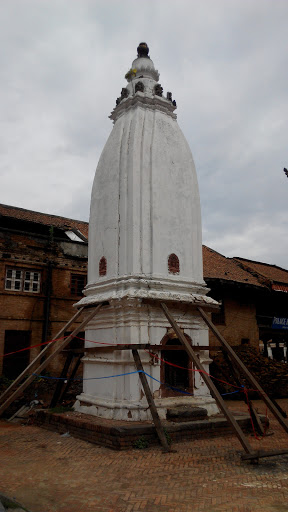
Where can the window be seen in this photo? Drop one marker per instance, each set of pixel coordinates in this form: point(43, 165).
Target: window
point(74, 236)
point(173, 264)
point(78, 282)
point(103, 267)
point(20, 280)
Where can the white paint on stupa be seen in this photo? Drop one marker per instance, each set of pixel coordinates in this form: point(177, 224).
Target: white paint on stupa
point(145, 207)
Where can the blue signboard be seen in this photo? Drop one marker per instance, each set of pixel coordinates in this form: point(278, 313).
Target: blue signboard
point(280, 323)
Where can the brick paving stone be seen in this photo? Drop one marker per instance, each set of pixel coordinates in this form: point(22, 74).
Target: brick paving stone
point(48, 473)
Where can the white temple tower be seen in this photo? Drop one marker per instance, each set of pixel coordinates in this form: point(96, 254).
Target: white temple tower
point(145, 246)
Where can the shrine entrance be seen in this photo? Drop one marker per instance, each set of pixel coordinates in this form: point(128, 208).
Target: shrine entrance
point(175, 374)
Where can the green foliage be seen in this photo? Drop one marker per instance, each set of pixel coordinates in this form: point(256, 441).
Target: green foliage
point(11, 504)
point(141, 443)
point(5, 382)
point(41, 379)
point(168, 437)
point(51, 234)
point(60, 409)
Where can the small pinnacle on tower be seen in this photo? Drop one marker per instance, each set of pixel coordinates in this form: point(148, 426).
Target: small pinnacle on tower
point(143, 50)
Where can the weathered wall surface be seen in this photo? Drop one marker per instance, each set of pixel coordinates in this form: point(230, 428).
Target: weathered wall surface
point(240, 323)
point(25, 311)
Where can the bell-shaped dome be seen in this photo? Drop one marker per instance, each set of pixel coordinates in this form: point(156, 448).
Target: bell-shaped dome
point(145, 220)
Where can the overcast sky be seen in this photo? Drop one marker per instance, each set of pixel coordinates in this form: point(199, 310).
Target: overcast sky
point(62, 65)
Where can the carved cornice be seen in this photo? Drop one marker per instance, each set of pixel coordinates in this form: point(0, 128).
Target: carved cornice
point(191, 298)
point(143, 101)
point(142, 287)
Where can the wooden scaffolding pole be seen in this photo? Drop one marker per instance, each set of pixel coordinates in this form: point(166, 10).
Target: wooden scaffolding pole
point(45, 363)
point(38, 358)
point(254, 414)
point(60, 383)
point(214, 391)
point(71, 378)
point(151, 403)
point(248, 375)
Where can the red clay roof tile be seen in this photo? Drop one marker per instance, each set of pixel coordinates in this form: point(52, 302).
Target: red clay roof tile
point(44, 218)
point(217, 266)
point(270, 272)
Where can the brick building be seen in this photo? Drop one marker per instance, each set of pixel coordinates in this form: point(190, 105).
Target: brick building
point(254, 301)
point(237, 291)
point(272, 305)
point(43, 269)
point(43, 266)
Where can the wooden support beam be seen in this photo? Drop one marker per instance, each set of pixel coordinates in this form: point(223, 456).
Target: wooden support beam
point(260, 454)
point(255, 385)
point(45, 363)
point(151, 403)
point(38, 358)
point(140, 346)
point(214, 391)
point(60, 382)
point(70, 378)
point(254, 415)
point(274, 401)
point(196, 348)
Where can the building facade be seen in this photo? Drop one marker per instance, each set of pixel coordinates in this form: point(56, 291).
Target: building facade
point(254, 302)
point(43, 269)
point(43, 273)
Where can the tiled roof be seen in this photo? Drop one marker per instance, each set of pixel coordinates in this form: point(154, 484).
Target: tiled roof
point(280, 287)
point(217, 266)
point(270, 272)
point(44, 218)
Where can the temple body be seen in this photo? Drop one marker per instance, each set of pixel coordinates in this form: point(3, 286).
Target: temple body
point(145, 246)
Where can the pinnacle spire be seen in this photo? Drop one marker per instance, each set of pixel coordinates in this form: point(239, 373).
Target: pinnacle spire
point(143, 50)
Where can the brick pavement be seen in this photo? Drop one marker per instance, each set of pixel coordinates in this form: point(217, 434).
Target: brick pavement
point(50, 473)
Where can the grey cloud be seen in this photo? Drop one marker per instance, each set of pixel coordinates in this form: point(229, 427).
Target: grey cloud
point(226, 64)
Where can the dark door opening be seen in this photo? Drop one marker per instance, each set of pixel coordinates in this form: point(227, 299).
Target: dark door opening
point(176, 376)
point(77, 342)
point(14, 364)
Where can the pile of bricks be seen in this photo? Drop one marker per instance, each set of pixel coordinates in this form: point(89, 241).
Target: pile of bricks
point(271, 375)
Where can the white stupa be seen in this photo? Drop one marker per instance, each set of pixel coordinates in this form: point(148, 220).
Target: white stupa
point(145, 246)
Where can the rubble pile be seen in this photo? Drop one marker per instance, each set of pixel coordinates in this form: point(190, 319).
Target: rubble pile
point(271, 375)
point(42, 390)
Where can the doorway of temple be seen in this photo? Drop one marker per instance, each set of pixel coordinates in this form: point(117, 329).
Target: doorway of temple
point(176, 374)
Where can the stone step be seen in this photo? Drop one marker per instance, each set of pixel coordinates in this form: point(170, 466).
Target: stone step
point(184, 413)
point(123, 435)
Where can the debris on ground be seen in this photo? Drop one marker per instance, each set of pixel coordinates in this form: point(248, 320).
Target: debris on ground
point(271, 375)
point(41, 390)
point(10, 505)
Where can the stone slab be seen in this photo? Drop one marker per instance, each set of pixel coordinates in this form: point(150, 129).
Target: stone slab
point(182, 413)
